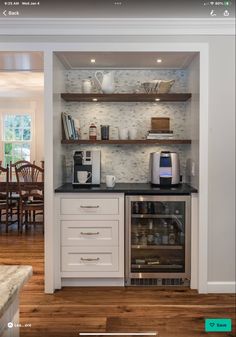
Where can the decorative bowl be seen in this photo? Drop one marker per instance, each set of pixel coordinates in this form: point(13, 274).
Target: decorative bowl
point(157, 86)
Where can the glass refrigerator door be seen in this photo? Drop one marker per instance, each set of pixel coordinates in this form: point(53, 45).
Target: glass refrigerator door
point(158, 237)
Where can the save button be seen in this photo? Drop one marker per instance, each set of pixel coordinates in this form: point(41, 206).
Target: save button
point(218, 325)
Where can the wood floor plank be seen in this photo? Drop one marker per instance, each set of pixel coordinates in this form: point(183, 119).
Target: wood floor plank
point(173, 312)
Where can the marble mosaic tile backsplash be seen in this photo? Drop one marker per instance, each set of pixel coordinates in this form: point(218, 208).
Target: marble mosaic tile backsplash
point(129, 163)
point(127, 80)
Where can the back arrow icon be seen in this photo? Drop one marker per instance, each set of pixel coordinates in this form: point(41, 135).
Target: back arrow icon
point(4, 13)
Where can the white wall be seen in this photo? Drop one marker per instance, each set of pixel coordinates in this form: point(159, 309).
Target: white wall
point(221, 226)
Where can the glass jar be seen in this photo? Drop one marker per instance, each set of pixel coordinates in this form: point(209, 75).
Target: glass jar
point(92, 132)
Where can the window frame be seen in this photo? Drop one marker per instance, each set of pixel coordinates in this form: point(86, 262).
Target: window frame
point(15, 111)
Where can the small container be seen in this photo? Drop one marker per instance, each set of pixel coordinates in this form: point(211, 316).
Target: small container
point(93, 132)
point(157, 239)
point(165, 236)
point(143, 240)
point(181, 238)
point(135, 238)
point(105, 132)
point(135, 207)
point(150, 224)
point(150, 239)
point(144, 207)
point(150, 207)
point(172, 236)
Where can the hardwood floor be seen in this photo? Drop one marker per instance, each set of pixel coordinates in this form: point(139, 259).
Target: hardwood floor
point(171, 312)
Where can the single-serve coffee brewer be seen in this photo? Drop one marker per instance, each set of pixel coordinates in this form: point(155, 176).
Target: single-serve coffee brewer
point(164, 168)
point(86, 168)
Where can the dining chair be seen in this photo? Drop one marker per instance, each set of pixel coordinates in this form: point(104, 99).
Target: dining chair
point(17, 164)
point(15, 195)
point(31, 191)
point(6, 204)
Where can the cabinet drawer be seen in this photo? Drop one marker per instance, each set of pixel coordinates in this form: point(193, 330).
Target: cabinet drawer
point(94, 259)
point(90, 206)
point(89, 233)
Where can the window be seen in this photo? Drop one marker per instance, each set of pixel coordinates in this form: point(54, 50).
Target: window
point(17, 137)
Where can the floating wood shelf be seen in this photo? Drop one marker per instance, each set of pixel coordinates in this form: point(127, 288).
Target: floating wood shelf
point(128, 141)
point(170, 97)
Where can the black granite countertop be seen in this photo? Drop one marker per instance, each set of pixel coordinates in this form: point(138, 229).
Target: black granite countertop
point(129, 189)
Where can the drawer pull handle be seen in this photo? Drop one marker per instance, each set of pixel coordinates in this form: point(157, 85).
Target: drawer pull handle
point(89, 259)
point(97, 206)
point(89, 233)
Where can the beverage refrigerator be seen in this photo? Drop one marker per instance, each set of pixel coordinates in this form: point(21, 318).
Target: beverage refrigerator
point(157, 240)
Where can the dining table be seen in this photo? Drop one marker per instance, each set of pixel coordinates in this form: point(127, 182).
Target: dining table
point(13, 186)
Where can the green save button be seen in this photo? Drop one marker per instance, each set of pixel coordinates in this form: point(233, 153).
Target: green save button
point(218, 325)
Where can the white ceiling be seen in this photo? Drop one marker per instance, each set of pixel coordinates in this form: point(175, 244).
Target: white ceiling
point(114, 60)
point(21, 73)
point(18, 83)
point(21, 61)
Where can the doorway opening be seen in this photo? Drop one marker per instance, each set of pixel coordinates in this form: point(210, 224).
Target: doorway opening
point(21, 149)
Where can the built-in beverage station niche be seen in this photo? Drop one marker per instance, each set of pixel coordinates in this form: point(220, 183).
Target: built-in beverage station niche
point(139, 113)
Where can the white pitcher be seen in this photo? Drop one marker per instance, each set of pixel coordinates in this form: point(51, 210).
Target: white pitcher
point(107, 83)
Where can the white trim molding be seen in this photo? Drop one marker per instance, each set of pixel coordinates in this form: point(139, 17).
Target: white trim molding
point(221, 287)
point(117, 26)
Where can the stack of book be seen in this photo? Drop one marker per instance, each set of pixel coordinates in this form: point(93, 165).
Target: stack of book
point(71, 127)
point(160, 134)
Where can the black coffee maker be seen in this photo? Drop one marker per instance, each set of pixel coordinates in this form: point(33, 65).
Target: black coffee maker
point(86, 168)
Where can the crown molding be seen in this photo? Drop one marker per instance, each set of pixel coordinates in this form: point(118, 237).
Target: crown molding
point(90, 26)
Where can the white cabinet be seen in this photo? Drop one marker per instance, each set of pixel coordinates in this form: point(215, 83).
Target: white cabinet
point(91, 238)
point(87, 233)
point(91, 259)
point(90, 206)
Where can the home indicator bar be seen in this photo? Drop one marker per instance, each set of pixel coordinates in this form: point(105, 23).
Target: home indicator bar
point(119, 334)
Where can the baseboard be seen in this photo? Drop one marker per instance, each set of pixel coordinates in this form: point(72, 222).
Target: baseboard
point(221, 287)
point(89, 282)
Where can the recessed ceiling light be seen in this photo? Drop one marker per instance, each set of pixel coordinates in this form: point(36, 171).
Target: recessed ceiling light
point(157, 99)
point(159, 60)
point(95, 99)
point(92, 60)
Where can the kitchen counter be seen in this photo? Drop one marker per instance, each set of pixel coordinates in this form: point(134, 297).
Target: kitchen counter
point(12, 279)
point(129, 189)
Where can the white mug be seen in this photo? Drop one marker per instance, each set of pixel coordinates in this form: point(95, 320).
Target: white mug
point(132, 133)
point(123, 133)
point(83, 176)
point(110, 181)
